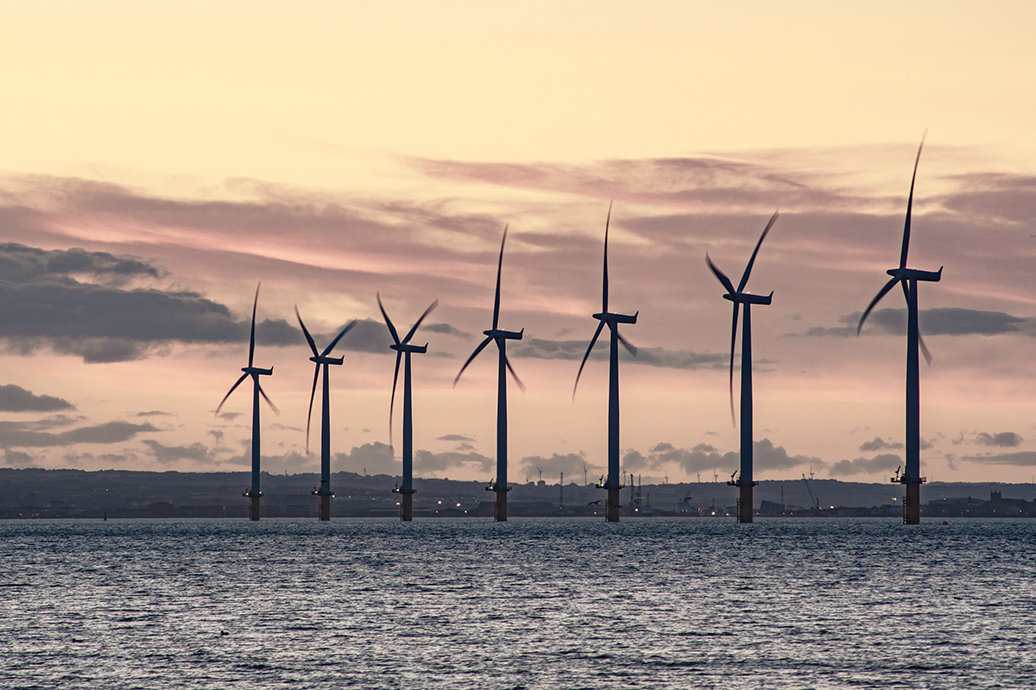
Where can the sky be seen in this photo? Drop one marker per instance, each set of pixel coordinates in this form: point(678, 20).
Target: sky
point(159, 160)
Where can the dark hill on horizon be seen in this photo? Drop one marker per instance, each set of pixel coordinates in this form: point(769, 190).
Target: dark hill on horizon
point(70, 492)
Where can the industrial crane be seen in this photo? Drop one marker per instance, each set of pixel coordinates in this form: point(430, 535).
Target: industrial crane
point(816, 501)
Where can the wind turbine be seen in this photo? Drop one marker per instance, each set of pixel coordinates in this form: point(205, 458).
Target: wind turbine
point(255, 372)
point(908, 278)
point(501, 337)
point(738, 297)
point(612, 320)
point(322, 359)
point(406, 492)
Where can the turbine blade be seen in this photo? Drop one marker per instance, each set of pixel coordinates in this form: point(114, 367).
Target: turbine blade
point(414, 328)
point(265, 397)
point(593, 341)
point(511, 369)
point(474, 354)
point(920, 339)
point(884, 291)
point(388, 321)
point(305, 331)
point(721, 275)
point(924, 349)
point(748, 268)
point(733, 341)
point(309, 415)
point(910, 205)
point(392, 401)
point(629, 346)
point(499, 270)
point(232, 388)
point(348, 327)
point(251, 342)
point(607, 223)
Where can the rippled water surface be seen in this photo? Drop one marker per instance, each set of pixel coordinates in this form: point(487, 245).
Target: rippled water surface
point(532, 603)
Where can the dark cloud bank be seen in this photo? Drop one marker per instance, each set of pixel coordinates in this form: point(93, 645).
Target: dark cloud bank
point(86, 304)
point(538, 348)
point(885, 462)
point(16, 399)
point(25, 435)
point(704, 457)
point(939, 321)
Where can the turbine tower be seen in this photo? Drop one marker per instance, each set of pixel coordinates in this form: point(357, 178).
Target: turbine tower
point(255, 372)
point(501, 337)
point(614, 482)
point(322, 358)
point(908, 278)
point(745, 481)
point(406, 492)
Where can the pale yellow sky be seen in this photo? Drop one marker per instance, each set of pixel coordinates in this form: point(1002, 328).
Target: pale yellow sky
point(322, 93)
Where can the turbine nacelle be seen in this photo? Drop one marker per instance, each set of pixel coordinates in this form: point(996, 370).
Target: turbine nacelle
point(501, 337)
point(738, 296)
point(319, 359)
point(616, 318)
point(255, 373)
point(401, 346)
point(749, 298)
point(915, 274)
point(497, 333)
point(407, 347)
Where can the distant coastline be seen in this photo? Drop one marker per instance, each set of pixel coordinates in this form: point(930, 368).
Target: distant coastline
point(29, 493)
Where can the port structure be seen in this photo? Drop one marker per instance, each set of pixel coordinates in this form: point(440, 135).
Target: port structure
point(613, 484)
point(254, 493)
point(743, 479)
point(500, 337)
point(322, 362)
point(403, 350)
point(908, 278)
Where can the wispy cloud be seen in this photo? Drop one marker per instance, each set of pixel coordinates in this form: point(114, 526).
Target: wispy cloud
point(939, 321)
point(571, 464)
point(1004, 196)
point(167, 455)
point(427, 462)
point(444, 328)
point(700, 182)
point(1020, 459)
point(455, 437)
point(885, 462)
point(766, 456)
point(18, 458)
point(1003, 439)
point(21, 435)
point(879, 443)
point(540, 348)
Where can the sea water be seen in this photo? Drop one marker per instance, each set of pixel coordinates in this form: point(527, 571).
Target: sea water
point(531, 603)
